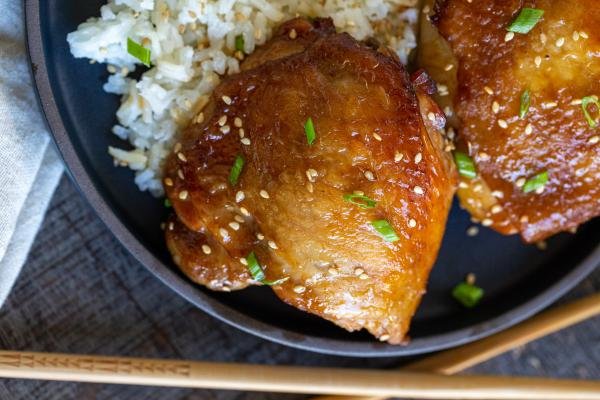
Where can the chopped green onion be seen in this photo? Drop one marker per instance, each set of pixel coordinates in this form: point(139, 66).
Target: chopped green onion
point(239, 43)
point(168, 203)
point(525, 102)
point(360, 200)
point(465, 164)
point(257, 272)
point(526, 20)
point(138, 51)
point(536, 182)
point(386, 230)
point(468, 295)
point(585, 102)
point(236, 170)
point(309, 129)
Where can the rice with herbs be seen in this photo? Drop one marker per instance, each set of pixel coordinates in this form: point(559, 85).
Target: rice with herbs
point(192, 44)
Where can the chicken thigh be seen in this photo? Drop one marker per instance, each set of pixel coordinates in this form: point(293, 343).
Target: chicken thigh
point(527, 107)
point(318, 170)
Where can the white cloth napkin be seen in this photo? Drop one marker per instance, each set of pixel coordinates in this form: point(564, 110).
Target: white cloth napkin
point(29, 166)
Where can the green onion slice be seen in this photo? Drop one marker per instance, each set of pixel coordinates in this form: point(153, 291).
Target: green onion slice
point(525, 102)
point(536, 182)
point(236, 170)
point(585, 102)
point(138, 51)
point(386, 230)
point(526, 20)
point(168, 203)
point(309, 129)
point(360, 200)
point(468, 295)
point(465, 164)
point(239, 43)
point(257, 272)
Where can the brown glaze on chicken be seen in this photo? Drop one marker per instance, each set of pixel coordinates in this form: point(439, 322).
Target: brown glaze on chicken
point(558, 61)
point(288, 205)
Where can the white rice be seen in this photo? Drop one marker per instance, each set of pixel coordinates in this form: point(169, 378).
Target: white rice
point(192, 44)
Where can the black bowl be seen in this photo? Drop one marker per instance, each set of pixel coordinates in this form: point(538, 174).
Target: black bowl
point(519, 280)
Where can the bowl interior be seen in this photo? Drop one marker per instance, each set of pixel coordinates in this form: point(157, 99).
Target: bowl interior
point(518, 279)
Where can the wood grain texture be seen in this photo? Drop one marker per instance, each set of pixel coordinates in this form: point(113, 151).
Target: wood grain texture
point(81, 292)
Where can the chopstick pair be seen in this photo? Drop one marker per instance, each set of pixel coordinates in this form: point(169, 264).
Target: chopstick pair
point(423, 379)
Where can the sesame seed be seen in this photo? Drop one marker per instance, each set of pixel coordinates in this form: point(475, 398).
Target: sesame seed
point(463, 185)
point(245, 141)
point(496, 208)
point(521, 182)
point(576, 102)
point(472, 231)
point(242, 133)
point(243, 261)
point(299, 289)
point(183, 195)
point(171, 226)
point(583, 34)
point(182, 157)
point(180, 174)
point(594, 139)
point(524, 219)
point(272, 245)
point(540, 189)
point(487, 222)
point(575, 36)
point(309, 187)
point(471, 278)
point(177, 147)
point(260, 236)
point(543, 38)
point(332, 271)
point(237, 122)
point(384, 338)
point(311, 174)
point(358, 271)
point(223, 120)
point(358, 192)
point(418, 190)
point(528, 129)
point(364, 276)
point(498, 194)
point(549, 104)
point(239, 196)
point(477, 187)
point(509, 36)
point(206, 249)
point(560, 42)
point(293, 34)
point(225, 129)
point(369, 175)
point(431, 116)
point(226, 100)
point(223, 232)
point(377, 137)
point(234, 225)
point(538, 61)
point(448, 67)
point(398, 156)
point(502, 124)
point(495, 107)
point(239, 219)
point(483, 156)
point(168, 181)
point(418, 158)
point(412, 223)
point(264, 194)
point(488, 90)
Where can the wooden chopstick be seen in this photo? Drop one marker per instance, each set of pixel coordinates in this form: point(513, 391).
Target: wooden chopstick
point(138, 371)
point(455, 360)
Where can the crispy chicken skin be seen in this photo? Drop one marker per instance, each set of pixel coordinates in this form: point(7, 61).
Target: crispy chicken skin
point(558, 61)
point(288, 206)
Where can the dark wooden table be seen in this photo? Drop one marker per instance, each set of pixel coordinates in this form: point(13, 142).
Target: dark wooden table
point(81, 292)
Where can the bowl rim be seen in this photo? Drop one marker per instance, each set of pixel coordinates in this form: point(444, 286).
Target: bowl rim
point(224, 313)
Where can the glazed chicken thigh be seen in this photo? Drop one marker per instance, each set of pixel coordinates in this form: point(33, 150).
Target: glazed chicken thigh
point(527, 107)
point(321, 166)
